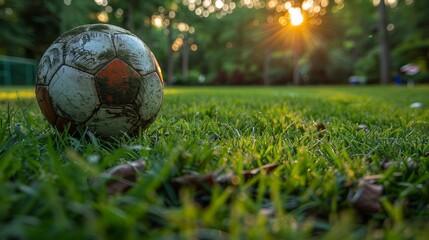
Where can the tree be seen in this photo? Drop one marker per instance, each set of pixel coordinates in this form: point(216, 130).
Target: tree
point(412, 36)
point(29, 27)
point(279, 12)
point(385, 65)
point(15, 35)
point(251, 40)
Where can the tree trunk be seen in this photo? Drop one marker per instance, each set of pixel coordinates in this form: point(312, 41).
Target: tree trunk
point(170, 54)
point(63, 18)
point(143, 24)
point(385, 65)
point(297, 52)
point(185, 58)
point(267, 60)
point(296, 67)
point(129, 17)
point(426, 58)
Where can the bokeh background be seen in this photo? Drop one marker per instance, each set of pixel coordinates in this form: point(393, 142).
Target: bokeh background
point(238, 42)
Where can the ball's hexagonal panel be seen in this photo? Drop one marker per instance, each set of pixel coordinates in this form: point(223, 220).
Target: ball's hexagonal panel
point(50, 62)
point(133, 51)
point(101, 27)
point(149, 99)
point(88, 51)
point(65, 37)
point(45, 103)
point(113, 120)
point(73, 94)
point(63, 124)
point(117, 83)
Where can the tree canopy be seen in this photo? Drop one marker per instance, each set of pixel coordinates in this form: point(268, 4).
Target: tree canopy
point(240, 41)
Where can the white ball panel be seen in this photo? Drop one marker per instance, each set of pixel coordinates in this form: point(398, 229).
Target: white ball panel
point(113, 120)
point(133, 51)
point(73, 94)
point(89, 50)
point(67, 36)
point(150, 96)
point(50, 62)
point(112, 29)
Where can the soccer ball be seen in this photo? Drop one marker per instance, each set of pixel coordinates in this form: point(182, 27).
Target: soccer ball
point(101, 78)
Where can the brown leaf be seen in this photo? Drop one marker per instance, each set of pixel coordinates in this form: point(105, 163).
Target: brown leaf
point(231, 178)
point(216, 178)
point(320, 127)
point(197, 180)
point(385, 164)
point(268, 168)
point(202, 184)
point(122, 177)
point(366, 198)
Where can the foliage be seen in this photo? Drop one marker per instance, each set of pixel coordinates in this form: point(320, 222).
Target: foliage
point(31, 26)
point(245, 42)
point(367, 66)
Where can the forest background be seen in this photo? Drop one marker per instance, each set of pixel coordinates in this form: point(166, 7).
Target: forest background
point(243, 42)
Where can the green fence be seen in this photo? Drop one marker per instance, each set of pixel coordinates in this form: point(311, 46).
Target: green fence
point(17, 71)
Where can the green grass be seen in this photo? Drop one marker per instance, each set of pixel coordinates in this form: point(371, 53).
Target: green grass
point(45, 189)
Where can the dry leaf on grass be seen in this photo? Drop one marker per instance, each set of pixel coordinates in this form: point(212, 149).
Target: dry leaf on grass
point(216, 178)
point(366, 198)
point(385, 164)
point(120, 178)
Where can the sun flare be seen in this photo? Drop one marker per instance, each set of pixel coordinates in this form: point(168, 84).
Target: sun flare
point(296, 17)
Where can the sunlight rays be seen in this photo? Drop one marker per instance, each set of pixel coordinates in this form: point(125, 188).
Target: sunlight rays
point(296, 17)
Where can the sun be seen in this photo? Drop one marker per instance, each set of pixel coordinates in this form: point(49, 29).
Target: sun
point(296, 17)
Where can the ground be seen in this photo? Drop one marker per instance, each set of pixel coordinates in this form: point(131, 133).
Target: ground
point(329, 145)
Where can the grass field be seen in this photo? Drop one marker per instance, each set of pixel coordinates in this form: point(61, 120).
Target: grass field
point(332, 145)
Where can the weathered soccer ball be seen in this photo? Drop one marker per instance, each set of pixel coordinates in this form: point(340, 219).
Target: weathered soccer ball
point(101, 78)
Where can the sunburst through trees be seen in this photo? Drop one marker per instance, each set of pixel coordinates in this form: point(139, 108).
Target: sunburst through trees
point(286, 11)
